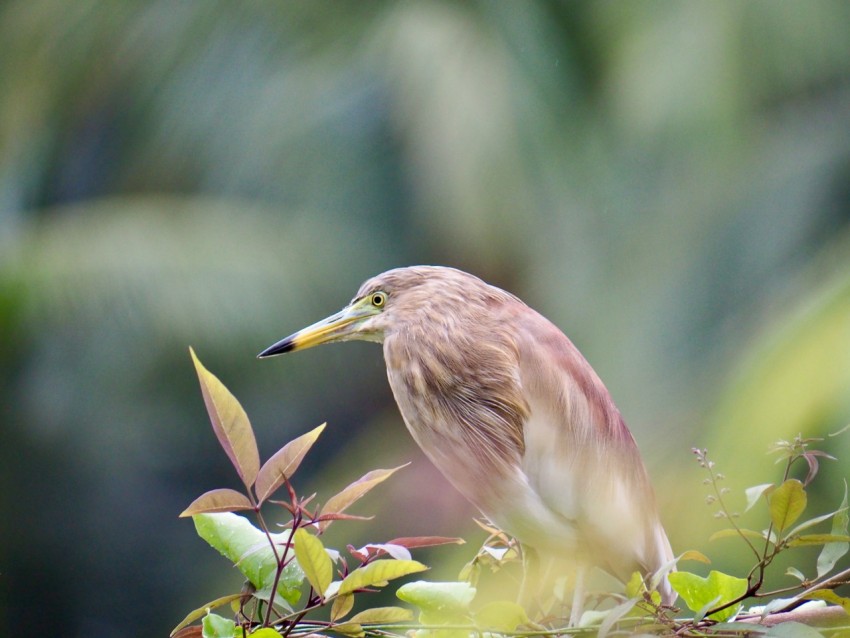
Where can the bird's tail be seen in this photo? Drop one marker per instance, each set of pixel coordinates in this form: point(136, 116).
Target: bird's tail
point(663, 562)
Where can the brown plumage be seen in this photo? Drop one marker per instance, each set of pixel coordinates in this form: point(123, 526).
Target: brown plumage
point(509, 410)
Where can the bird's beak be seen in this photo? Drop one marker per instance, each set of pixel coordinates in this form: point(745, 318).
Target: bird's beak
point(342, 326)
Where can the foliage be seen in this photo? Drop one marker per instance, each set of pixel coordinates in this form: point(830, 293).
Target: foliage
point(278, 566)
point(720, 597)
point(291, 575)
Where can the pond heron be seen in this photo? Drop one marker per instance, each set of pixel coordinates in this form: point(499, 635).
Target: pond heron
point(512, 414)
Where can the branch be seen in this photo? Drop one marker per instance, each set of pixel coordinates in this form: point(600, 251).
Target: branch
point(811, 616)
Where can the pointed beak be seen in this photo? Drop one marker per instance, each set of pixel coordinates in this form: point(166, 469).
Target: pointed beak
point(342, 326)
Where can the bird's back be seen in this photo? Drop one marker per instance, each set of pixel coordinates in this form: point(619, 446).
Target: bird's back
point(581, 459)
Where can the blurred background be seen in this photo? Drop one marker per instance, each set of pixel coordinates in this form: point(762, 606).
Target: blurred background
point(668, 182)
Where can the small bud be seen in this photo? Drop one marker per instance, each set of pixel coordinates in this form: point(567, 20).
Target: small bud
point(720, 515)
point(725, 490)
point(706, 481)
point(736, 515)
point(709, 499)
point(720, 476)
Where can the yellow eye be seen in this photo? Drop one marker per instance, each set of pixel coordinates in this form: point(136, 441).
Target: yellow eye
point(378, 299)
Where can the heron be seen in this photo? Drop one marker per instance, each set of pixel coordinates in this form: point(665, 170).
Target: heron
point(508, 409)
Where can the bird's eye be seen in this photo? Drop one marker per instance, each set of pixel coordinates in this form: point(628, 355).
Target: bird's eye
point(378, 299)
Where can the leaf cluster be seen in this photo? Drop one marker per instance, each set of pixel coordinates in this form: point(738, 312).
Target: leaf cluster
point(720, 597)
point(289, 573)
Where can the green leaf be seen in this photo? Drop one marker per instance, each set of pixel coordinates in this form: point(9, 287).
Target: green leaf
point(342, 501)
point(501, 616)
point(786, 503)
point(718, 588)
point(796, 573)
point(441, 604)
point(247, 547)
point(693, 554)
point(829, 596)
point(283, 464)
point(819, 539)
point(448, 598)
point(215, 626)
point(699, 616)
point(378, 573)
point(203, 610)
point(265, 632)
point(470, 572)
point(810, 523)
point(230, 424)
point(635, 587)
point(350, 629)
point(731, 532)
point(314, 560)
point(341, 606)
point(832, 552)
point(754, 493)
point(382, 615)
point(221, 500)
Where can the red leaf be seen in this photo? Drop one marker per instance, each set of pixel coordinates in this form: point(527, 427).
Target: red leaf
point(284, 463)
point(230, 424)
point(341, 517)
point(340, 502)
point(222, 500)
point(425, 541)
point(356, 553)
point(813, 467)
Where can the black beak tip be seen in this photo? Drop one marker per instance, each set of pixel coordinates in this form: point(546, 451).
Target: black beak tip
point(281, 347)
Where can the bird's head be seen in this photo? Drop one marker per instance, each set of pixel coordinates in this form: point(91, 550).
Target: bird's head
point(422, 296)
point(362, 320)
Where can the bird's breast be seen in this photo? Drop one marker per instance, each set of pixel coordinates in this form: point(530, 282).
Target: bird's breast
point(463, 412)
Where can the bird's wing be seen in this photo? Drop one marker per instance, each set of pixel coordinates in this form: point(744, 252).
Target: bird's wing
point(580, 457)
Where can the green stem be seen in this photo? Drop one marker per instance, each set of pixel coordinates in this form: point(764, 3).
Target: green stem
point(725, 510)
point(765, 559)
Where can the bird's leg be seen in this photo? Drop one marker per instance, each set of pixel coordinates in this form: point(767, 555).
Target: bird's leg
point(578, 596)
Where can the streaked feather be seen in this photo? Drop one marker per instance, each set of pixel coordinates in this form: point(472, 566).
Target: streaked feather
point(510, 411)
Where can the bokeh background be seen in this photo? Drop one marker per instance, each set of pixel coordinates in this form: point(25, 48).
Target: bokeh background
point(667, 181)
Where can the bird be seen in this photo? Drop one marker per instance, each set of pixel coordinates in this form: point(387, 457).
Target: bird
point(508, 409)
